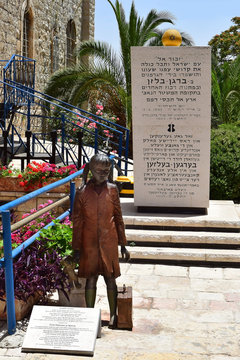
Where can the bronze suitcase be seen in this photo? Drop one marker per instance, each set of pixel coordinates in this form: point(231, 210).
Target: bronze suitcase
point(124, 305)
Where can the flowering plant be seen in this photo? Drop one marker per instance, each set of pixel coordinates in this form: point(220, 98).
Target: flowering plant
point(88, 123)
point(25, 232)
point(8, 170)
point(38, 173)
point(38, 269)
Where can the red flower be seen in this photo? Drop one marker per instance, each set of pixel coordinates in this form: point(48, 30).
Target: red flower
point(20, 176)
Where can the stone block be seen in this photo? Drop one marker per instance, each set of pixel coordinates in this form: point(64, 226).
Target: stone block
point(205, 273)
point(185, 294)
point(213, 285)
point(231, 273)
point(206, 296)
point(178, 271)
point(168, 304)
point(139, 269)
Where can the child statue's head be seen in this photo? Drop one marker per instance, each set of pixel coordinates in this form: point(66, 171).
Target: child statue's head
point(100, 166)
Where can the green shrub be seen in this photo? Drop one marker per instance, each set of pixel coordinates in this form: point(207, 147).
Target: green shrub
point(225, 163)
point(58, 237)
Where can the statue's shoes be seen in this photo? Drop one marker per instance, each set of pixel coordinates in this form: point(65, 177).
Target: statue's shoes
point(113, 322)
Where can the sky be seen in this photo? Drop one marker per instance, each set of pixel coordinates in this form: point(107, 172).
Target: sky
point(201, 19)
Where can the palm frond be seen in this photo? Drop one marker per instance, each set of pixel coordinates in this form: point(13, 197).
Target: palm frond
point(157, 38)
point(60, 83)
point(152, 21)
point(104, 53)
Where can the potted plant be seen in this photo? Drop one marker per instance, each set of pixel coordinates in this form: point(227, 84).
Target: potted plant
point(37, 273)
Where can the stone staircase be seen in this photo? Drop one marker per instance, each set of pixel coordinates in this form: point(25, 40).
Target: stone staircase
point(184, 238)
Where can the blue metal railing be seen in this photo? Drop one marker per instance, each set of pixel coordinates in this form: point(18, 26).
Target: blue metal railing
point(18, 84)
point(9, 254)
point(97, 129)
point(21, 70)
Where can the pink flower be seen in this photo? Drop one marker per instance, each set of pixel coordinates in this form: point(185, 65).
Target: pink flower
point(25, 215)
point(92, 125)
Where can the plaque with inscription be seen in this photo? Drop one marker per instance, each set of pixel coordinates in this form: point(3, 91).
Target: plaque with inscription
point(65, 330)
point(171, 104)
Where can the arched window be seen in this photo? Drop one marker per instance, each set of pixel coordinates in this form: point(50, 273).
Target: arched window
point(71, 43)
point(27, 49)
point(54, 50)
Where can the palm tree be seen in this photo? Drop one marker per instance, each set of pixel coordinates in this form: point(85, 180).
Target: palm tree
point(107, 77)
point(226, 91)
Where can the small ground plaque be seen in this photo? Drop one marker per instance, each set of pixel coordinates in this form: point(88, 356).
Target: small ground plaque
point(66, 330)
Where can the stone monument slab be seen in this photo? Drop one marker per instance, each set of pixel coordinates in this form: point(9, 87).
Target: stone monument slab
point(171, 105)
point(66, 330)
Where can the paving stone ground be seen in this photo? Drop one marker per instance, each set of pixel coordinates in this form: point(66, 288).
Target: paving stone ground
point(179, 313)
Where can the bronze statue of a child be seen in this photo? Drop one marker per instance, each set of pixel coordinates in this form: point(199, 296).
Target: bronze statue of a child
point(98, 229)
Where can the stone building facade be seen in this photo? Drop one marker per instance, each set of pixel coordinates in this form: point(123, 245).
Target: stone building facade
point(48, 31)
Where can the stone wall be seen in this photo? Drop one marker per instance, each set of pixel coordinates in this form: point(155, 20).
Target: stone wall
point(49, 19)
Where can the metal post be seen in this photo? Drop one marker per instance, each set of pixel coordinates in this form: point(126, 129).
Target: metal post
point(120, 151)
point(80, 136)
point(5, 137)
point(28, 135)
point(29, 114)
point(96, 140)
point(8, 264)
point(63, 134)
point(126, 151)
point(72, 195)
point(54, 139)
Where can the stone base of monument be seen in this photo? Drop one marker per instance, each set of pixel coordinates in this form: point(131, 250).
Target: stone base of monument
point(172, 210)
point(64, 330)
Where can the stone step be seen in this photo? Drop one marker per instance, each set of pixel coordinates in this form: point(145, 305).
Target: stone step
point(221, 214)
point(184, 254)
point(177, 222)
point(182, 237)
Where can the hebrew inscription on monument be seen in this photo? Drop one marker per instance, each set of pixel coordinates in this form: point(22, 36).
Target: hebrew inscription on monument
point(171, 94)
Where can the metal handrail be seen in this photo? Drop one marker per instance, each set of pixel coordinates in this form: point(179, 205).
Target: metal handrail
point(9, 254)
point(118, 130)
point(38, 213)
